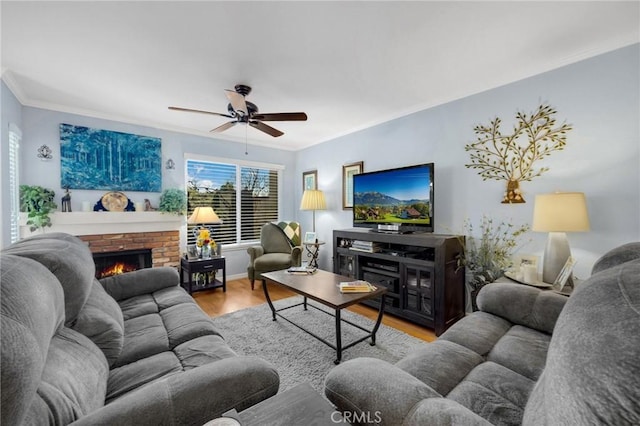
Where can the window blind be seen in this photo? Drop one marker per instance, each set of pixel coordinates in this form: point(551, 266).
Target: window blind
point(244, 198)
point(15, 137)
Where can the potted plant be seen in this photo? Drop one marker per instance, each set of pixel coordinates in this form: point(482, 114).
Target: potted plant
point(486, 257)
point(174, 201)
point(38, 203)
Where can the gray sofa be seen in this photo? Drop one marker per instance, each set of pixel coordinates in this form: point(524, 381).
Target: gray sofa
point(132, 349)
point(528, 356)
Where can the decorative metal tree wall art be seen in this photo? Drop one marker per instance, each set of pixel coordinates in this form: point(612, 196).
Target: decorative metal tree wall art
point(504, 157)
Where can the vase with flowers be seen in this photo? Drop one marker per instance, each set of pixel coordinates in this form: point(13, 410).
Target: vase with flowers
point(205, 243)
point(487, 256)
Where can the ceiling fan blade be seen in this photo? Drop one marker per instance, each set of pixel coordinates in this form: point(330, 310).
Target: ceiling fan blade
point(267, 129)
point(280, 116)
point(237, 102)
point(224, 127)
point(200, 111)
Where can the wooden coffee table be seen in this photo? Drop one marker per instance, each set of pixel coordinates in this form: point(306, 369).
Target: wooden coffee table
point(322, 287)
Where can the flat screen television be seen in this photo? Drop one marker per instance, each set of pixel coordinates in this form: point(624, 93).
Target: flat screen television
point(395, 200)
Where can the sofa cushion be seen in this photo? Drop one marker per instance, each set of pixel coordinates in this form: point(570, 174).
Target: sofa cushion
point(131, 376)
point(617, 256)
point(32, 309)
point(523, 350)
point(138, 306)
point(529, 306)
point(184, 322)
point(203, 350)
point(478, 331)
point(101, 321)
point(495, 393)
point(454, 363)
point(143, 337)
point(593, 363)
point(69, 259)
point(272, 262)
point(74, 379)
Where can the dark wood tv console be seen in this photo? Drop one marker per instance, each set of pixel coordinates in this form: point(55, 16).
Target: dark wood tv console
point(419, 271)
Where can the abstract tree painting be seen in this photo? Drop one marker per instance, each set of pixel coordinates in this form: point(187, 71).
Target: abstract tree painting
point(104, 159)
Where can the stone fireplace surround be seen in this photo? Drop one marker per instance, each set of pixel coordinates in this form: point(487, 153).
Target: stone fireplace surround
point(119, 231)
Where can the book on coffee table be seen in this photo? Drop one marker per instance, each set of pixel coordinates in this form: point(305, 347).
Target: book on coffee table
point(358, 286)
point(303, 270)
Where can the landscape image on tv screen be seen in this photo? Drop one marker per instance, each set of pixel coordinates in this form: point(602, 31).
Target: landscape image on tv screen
point(398, 196)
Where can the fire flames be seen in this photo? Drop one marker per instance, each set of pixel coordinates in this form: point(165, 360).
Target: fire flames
point(116, 269)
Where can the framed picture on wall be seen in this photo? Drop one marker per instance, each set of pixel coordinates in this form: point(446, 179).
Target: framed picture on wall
point(348, 171)
point(310, 180)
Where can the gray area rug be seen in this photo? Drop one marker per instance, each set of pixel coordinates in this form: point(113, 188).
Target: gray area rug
point(299, 357)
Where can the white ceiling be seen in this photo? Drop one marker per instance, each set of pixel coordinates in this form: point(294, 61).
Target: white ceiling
point(348, 65)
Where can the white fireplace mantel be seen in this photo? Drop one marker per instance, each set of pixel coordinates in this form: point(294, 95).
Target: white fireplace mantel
point(91, 223)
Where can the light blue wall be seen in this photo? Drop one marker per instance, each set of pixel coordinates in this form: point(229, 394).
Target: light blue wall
point(600, 97)
point(42, 127)
point(11, 112)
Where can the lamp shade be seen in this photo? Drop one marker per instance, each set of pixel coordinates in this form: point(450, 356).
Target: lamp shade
point(560, 212)
point(313, 199)
point(203, 215)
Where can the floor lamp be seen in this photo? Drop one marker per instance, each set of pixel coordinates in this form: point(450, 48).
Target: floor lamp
point(557, 214)
point(313, 199)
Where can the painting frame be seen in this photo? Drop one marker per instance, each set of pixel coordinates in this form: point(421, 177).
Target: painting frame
point(309, 238)
point(521, 259)
point(564, 277)
point(99, 159)
point(310, 180)
point(348, 171)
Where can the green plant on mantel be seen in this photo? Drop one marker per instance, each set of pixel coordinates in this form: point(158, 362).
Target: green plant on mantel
point(173, 200)
point(38, 203)
point(486, 257)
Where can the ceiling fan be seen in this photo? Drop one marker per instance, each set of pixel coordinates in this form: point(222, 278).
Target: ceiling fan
point(243, 111)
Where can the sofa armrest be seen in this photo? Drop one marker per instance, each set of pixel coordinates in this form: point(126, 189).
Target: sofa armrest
point(522, 304)
point(142, 281)
point(369, 388)
point(192, 397)
point(254, 253)
point(443, 412)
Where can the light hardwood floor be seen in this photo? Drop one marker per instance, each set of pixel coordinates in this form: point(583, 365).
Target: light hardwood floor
point(239, 296)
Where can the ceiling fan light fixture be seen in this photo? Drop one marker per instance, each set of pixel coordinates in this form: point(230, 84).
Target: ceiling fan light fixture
point(246, 112)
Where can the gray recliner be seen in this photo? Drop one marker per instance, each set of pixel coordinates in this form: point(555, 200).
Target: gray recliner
point(275, 252)
point(528, 356)
point(132, 349)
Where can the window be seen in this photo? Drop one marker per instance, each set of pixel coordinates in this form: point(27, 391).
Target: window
point(220, 184)
point(15, 136)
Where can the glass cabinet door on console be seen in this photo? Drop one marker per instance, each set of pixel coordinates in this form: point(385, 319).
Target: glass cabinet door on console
point(418, 294)
point(347, 265)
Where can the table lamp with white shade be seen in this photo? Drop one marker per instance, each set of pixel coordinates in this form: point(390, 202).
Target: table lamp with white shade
point(557, 214)
point(313, 199)
point(202, 216)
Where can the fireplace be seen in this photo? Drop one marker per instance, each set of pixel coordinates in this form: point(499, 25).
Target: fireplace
point(118, 262)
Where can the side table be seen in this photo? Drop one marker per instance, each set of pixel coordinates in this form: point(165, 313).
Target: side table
point(193, 266)
point(313, 250)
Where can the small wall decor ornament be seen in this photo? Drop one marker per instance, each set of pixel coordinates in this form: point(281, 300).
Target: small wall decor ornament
point(502, 157)
point(45, 153)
